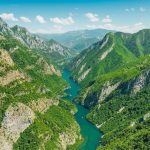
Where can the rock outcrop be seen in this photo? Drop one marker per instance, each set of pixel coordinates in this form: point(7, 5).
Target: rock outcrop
point(10, 77)
point(5, 57)
point(17, 118)
point(43, 104)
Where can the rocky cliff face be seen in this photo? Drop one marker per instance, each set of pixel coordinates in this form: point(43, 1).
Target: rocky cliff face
point(17, 118)
point(131, 87)
point(48, 68)
point(33, 41)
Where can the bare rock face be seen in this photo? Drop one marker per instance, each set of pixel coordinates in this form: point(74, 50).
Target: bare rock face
point(54, 70)
point(147, 116)
point(107, 89)
point(140, 82)
point(67, 138)
point(81, 69)
point(42, 105)
point(5, 144)
point(17, 118)
point(48, 69)
point(84, 75)
point(33, 41)
point(10, 77)
point(104, 55)
point(5, 57)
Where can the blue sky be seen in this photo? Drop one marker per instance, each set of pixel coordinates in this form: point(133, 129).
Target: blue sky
point(56, 16)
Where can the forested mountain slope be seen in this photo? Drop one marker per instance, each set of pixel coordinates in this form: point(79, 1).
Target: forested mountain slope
point(114, 51)
point(32, 112)
point(115, 76)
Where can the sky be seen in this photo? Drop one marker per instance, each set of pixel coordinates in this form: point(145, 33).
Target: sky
point(58, 16)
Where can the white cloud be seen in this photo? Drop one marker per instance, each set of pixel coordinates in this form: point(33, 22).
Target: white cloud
point(40, 19)
point(130, 9)
point(107, 19)
point(107, 26)
point(92, 17)
point(142, 9)
point(127, 10)
point(124, 28)
point(51, 30)
point(25, 19)
point(58, 28)
point(131, 28)
point(63, 21)
point(91, 26)
point(139, 26)
point(8, 16)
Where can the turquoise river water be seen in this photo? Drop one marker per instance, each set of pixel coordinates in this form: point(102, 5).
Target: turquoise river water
point(91, 134)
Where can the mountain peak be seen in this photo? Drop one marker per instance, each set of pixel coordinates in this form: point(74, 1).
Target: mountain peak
point(4, 28)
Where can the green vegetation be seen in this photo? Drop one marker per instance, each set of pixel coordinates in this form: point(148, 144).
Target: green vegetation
point(118, 112)
point(68, 106)
point(24, 57)
point(137, 137)
point(125, 49)
point(45, 132)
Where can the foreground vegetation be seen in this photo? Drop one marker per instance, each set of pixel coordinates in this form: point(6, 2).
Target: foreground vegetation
point(39, 80)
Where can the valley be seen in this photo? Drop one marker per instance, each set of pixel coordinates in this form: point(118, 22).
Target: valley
point(53, 99)
point(90, 133)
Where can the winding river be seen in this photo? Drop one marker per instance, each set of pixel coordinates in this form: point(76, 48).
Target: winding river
point(90, 133)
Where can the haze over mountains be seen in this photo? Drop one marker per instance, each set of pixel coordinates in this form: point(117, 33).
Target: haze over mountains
point(77, 40)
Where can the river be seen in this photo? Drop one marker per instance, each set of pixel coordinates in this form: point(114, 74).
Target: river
point(90, 133)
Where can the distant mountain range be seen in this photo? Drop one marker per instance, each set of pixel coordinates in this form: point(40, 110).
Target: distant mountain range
point(77, 40)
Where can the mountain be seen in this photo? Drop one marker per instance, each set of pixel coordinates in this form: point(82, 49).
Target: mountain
point(4, 28)
point(114, 75)
point(77, 40)
point(51, 48)
point(33, 114)
point(114, 51)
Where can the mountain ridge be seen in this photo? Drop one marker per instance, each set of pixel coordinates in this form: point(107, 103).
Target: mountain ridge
point(35, 42)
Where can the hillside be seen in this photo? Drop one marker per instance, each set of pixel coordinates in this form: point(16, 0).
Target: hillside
point(32, 112)
point(77, 40)
point(114, 51)
point(114, 76)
